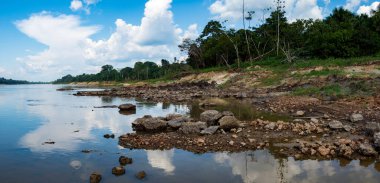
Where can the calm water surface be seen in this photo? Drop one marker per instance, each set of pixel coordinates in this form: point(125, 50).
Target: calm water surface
point(33, 114)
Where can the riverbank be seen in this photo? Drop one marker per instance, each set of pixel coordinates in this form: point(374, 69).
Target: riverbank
point(320, 101)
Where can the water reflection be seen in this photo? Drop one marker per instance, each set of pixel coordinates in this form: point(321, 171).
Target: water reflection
point(261, 166)
point(68, 126)
point(162, 160)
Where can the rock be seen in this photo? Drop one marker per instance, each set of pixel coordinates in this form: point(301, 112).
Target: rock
point(107, 136)
point(314, 120)
point(231, 143)
point(345, 151)
point(125, 160)
point(300, 113)
point(270, 126)
point(367, 150)
point(95, 177)
point(228, 122)
point(211, 117)
point(177, 122)
point(348, 128)
point(227, 113)
point(234, 136)
point(149, 124)
point(172, 116)
point(335, 125)
point(119, 170)
point(323, 151)
point(356, 117)
point(376, 137)
point(207, 104)
point(192, 128)
point(127, 107)
point(141, 175)
point(210, 130)
point(371, 128)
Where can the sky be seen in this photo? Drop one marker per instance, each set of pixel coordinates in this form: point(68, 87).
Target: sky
point(43, 40)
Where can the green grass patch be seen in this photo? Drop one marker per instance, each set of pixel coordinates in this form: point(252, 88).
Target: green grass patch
point(328, 90)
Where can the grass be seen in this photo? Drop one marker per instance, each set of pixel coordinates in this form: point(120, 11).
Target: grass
point(328, 90)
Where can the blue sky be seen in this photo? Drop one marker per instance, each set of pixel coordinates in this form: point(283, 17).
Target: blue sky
point(46, 39)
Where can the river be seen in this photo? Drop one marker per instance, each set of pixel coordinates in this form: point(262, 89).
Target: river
point(31, 115)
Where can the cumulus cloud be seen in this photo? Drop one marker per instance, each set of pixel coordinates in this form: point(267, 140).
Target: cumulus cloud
point(76, 5)
point(72, 50)
point(352, 4)
point(84, 5)
point(368, 9)
point(232, 9)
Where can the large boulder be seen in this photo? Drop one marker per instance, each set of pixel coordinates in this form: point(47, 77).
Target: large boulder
point(356, 117)
point(192, 128)
point(149, 124)
point(211, 117)
point(177, 122)
point(127, 107)
point(228, 122)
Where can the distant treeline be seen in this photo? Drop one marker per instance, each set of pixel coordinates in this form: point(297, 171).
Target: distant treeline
point(15, 82)
point(140, 71)
point(342, 34)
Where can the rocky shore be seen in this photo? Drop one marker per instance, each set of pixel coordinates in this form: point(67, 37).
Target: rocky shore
point(322, 138)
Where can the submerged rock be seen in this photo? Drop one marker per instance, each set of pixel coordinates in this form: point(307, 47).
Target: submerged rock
point(149, 124)
point(335, 125)
point(125, 160)
point(210, 130)
point(228, 122)
point(95, 177)
point(141, 175)
point(127, 107)
point(192, 128)
point(356, 117)
point(119, 170)
point(107, 136)
point(211, 117)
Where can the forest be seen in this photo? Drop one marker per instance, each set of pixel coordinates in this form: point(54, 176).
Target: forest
point(342, 34)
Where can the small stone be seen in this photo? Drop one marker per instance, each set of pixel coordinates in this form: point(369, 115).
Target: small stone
point(119, 170)
point(234, 136)
point(314, 120)
point(141, 175)
point(356, 117)
point(243, 144)
point(270, 126)
point(348, 128)
point(323, 151)
point(313, 152)
point(210, 130)
point(95, 177)
point(300, 113)
point(367, 150)
point(335, 125)
point(252, 140)
point(231, 142)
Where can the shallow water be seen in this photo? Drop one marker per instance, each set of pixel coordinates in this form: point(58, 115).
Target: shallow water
point(33, 114)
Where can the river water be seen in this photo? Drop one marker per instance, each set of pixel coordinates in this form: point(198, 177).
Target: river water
point(31, 115)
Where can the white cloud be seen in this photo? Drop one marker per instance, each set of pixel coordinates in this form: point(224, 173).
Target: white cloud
point(352, 4)
point(232, 9)
point(368, 9)
point(71, 50)
point(2, 70)
point(76, 5)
